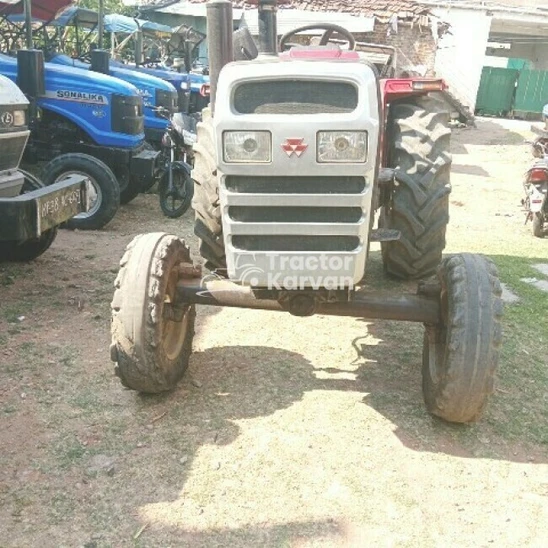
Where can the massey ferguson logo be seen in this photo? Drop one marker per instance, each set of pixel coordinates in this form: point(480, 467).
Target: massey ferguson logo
point(6, 119)
point(294, 146)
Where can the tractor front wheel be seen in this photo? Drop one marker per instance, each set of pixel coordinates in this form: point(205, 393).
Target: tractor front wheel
point(460, 355)
point(103, 188)
point(419, 204)
point(151, 336)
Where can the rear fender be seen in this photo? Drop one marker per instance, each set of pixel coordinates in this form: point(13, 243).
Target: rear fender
point(537, 197)
point(393, 89)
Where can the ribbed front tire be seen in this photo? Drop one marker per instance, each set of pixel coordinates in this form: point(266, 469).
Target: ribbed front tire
point(460, 355)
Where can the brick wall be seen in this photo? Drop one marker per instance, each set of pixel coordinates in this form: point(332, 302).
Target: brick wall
point(414, 45)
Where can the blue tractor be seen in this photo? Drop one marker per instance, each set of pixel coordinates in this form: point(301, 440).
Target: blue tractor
point(159, 94)
point(83, 122)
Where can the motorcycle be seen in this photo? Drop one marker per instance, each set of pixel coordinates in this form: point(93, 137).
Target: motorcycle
point(536, 190)
point(176, 186)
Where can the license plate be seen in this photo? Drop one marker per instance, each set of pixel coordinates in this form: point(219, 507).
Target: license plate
point(57, 203)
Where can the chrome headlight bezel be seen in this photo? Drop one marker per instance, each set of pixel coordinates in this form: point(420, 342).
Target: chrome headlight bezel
point(341, 147)
point(247, 147)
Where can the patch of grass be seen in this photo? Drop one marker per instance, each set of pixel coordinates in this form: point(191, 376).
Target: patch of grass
point(61, 508)
point(86, 400)
point(68, 356)
point(69, 451)
point(520, 406)
point(11, 313)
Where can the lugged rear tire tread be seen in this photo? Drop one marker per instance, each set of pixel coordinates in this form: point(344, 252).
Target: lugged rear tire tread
point(208, 223)
point(419, 207)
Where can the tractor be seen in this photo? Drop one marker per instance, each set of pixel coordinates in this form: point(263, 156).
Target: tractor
point(29, 212)
point(298, 151)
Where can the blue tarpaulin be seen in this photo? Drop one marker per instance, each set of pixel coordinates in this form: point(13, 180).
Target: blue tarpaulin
point(127, 25)
point(114, 22)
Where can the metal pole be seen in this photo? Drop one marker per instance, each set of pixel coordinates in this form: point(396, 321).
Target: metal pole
point(219, 41)
point(101, 25)
point(268, 27)
point(139, 47)
point(28, 23)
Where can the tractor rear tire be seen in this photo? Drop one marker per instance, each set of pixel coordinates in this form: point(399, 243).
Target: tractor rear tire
point(419, 205)
point(207, 225)
point(15, 251)
point(102, 182)
point(151, 348)
point(460, 355)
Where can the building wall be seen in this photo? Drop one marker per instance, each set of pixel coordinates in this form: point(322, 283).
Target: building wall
point(415, 46)
point(461, 54)
point(495, 61)
point(537, 53)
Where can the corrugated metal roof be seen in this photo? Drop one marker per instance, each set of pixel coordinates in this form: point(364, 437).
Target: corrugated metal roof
point(383, 10)
point(288, 19)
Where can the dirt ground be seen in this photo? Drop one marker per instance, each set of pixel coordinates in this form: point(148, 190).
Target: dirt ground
point(285, 431)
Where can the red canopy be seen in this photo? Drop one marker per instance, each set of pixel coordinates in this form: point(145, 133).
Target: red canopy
point(41, 9)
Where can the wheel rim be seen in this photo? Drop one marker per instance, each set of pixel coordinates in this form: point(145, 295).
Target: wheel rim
point(95, 194)
point(175, 198)
point(173, 333)
point(174, 336)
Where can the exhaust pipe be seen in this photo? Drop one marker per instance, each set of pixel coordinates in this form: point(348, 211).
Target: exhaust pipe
point(219, 42)
point(268, 27)
point(100, 61)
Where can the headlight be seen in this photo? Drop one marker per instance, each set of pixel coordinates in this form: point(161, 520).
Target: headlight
point(19, 118)
point(342, 146)
point(248, 147)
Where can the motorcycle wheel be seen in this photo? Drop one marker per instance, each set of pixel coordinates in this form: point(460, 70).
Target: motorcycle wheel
point(176, 202)
point(538, 225)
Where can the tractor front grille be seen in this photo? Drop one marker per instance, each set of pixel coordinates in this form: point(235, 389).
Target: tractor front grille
point(310, 221)
point(12, 145)
point(260, 214)
point(295, 97)
point(295, 185)
point(295, 243)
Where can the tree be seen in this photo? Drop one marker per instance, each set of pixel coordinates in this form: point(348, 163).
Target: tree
point(111, 6)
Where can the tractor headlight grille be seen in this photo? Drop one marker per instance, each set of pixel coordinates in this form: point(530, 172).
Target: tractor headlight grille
point(127, 114)
point(295, 97)
point(13, 146)
point(167, 100)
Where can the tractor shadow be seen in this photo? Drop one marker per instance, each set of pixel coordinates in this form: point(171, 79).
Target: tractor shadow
point(486, 133)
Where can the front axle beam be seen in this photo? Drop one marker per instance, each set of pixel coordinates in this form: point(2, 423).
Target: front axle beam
point(412, 308)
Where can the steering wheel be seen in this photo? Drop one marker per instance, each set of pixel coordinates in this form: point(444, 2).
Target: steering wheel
point(329, 29)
